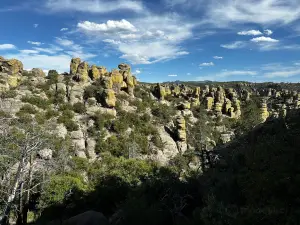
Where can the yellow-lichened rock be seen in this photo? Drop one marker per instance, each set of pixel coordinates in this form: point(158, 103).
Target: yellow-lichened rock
point(209, 103)
point(176, 91)
point(181, 129)
point(195, 102)
point(11, 66)
point(130, 81)
point(13, 81)
point(135, 81)
point(110, 98)
point(74, 65)
point(218, 107)
point(264, 114)
point(37, 72)
point(197, 92)
point(82, 71)
point(107, 82)
point(117, 78)
point(95, 73)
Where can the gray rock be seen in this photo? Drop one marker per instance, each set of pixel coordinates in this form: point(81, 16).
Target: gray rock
point(45, 154)
point(77, 134)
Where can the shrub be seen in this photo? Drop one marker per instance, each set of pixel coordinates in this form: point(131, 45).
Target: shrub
point(163, 112)
point(50, 113)
point(79, 108)
point(65, 106)
point(117, 146)
point(37, 101)
point(102, 120)
point(66, 119)
point(53, 76)
point(8, 94)
point(24, 118)
point(27, 108)
point(40, 118)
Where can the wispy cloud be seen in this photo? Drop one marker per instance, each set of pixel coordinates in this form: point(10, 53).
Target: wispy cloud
point(137, 71)
point(279, 70)
point(264, 39)
point(218, 57)
point(234, 45)
point(268, 32)
point(35, 43)
point(7, 46)
point(250, 32)
point(64, 42)
point(29, 51)
point(35, 25)
point(207, 64)
point(93, 6)
point(64, 29)
point(229, 73)
point(172, 75)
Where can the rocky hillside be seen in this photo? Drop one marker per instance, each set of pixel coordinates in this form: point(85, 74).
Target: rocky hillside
point(93, 124)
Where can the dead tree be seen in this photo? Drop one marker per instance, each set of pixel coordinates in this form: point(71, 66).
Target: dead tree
point(19, 144)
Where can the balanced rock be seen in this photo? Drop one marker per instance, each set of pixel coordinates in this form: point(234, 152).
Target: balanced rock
point(74, 65)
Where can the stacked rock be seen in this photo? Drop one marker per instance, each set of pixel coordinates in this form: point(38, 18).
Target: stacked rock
point(264, 114)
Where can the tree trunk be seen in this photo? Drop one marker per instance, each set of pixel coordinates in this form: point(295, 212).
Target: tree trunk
point(12, 194)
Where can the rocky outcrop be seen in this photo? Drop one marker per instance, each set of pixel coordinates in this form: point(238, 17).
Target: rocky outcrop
point(74, 66)
point(11, 67)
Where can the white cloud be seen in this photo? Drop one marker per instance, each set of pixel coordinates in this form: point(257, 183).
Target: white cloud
point(264, 39)
point(64, 42)
point(137, 71)
point(111, 41)
point(52, 50)
point(282, 74)
point(229, 73)
point(35, 25)
point(7, 46)
point(109, 26)
point(64, 29)
point(29, 51)
point(265, 12)
point(35, 43)
point(172, 75)
point(143, 40)
point(250, 32)
point(234, 45)
point(268, 32)
point(59, 62)
point(188, 74)
point(94, 6)
point(218, 57)
point(207, 64)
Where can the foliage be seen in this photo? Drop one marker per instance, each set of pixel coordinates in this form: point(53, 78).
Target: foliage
point(163, 112)
point(8, 94)
point(52, 77)
point(27, 108)
point(67, 119)
point(79, 108)
point(37, 101)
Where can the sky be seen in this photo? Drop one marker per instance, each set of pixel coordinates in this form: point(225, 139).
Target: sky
point(163, 40)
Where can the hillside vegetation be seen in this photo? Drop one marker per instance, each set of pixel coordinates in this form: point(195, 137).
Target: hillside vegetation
point(171, 153)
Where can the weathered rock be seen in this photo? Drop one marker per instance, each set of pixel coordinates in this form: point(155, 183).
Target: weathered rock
point(91, 111)
point(109, 98)
point(74, 66)
point(95, 73)
point(11, 66)
point(82, 72)
point(45, 154)
point(38, 72)
point(181, 129)
point(209, 103)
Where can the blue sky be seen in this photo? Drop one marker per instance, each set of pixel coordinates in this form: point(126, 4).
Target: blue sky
point(163, 40)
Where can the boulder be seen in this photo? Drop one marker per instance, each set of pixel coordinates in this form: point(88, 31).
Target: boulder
point(109, 98)
point(45, 154)
point(38, 72)
point(11, 66)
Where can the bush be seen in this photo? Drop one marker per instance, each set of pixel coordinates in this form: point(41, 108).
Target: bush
point(24, 118)
point(8, 94)
point(27, 108)
point(40, 118)
point(53, 76)
point(50, 113)
point(66, 119)
point(163, 112)
point(102, 120)
point(79, 108)
point(65, 106)
point(37, 101)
